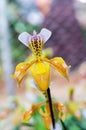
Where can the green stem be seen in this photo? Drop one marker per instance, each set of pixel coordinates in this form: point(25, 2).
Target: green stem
point(63, 124)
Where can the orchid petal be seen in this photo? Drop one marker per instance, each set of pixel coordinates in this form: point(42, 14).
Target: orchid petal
point(45, 33)
point(60, 66)
point(21, 70)
point(29, 113)
point(24, 38)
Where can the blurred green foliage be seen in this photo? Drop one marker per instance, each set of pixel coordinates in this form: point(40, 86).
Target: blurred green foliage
point(74, 124)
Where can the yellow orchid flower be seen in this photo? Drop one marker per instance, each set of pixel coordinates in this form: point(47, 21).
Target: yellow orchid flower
point(59, 108)
point(39, 66)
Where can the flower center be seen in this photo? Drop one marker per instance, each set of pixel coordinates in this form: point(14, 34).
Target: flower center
point(36, 45)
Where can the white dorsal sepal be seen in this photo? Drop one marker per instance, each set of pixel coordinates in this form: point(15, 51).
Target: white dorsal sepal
point(24, 38)
point(46, 34)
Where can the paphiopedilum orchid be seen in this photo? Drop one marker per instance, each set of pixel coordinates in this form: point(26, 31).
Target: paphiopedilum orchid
point(46, 115)
point(39, 66)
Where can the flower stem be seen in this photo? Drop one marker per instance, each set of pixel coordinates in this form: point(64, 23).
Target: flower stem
point(64, 126)
point(51, 109)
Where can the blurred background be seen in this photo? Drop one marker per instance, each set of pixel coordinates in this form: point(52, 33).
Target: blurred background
point(67, 21)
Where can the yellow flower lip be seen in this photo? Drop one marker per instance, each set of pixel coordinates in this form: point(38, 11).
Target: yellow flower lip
point(41, 74)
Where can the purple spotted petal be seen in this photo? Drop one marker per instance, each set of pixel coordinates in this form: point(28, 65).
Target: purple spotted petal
point(45, 34)
point(25, 38)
